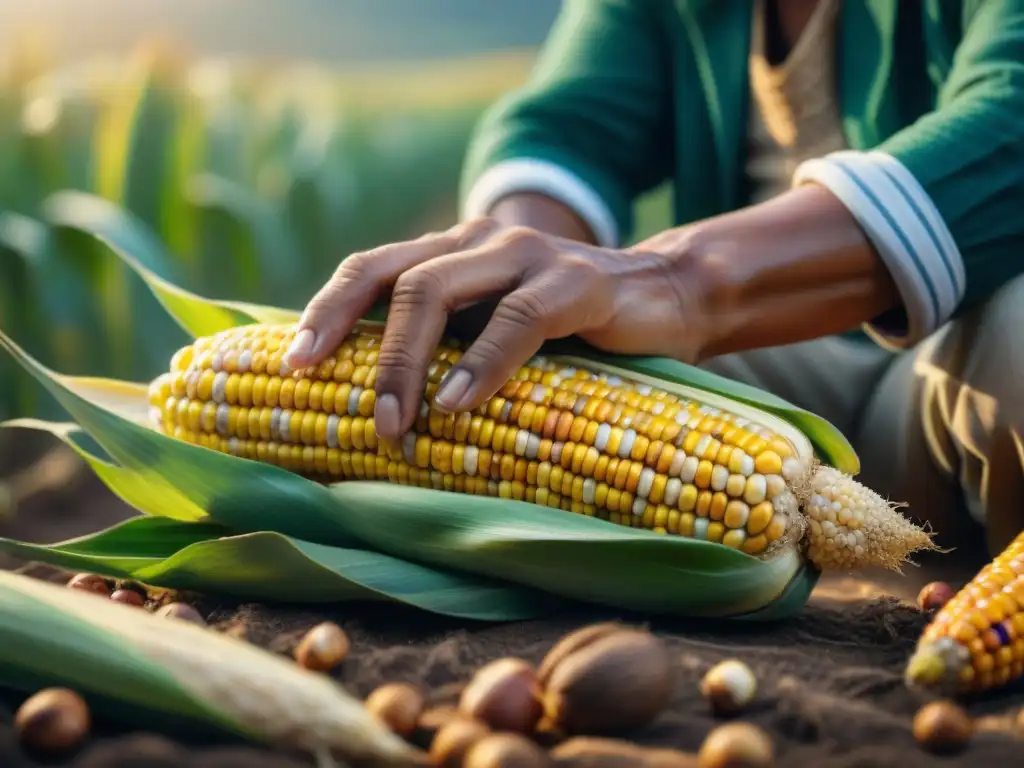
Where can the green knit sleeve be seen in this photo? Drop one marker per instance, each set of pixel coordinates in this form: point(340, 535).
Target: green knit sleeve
point(594, 119)
point(968, 154)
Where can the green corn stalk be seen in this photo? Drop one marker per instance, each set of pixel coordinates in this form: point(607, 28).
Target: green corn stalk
point(79, 264)
point(132, 161)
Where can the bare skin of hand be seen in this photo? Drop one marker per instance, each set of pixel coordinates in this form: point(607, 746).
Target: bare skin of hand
point(792, 269)
point(545, 287)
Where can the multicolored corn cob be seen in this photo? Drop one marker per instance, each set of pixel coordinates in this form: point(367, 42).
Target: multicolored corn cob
point(579, 439)
point(976, 641)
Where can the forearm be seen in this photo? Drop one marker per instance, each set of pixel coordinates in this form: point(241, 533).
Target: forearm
point(544, 214)
point(795, 268)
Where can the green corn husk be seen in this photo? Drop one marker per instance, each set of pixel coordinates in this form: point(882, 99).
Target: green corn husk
point(51, 636)
point(456, 554)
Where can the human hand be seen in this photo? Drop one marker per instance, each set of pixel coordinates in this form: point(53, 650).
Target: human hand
point(546, 287)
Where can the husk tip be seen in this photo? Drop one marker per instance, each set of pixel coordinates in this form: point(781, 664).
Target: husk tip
point(851, 527)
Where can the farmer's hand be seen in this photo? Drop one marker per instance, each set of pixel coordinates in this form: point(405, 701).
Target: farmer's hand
point(545, 287)
point(797, 267)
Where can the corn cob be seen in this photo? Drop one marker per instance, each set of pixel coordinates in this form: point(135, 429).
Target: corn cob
point(592, 442)
point(976, 641)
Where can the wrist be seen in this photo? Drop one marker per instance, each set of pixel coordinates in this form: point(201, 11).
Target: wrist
point(706, 275)
point(795, 268)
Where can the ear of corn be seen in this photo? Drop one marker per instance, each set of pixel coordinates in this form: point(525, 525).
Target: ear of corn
point(976, 641)
point(562, 433)
point(834, 522)
point(483, 537)
point(59, 636)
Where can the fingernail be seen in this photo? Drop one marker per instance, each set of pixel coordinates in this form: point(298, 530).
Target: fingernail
point(387, 416)
point(453, 388)
point(300, 348)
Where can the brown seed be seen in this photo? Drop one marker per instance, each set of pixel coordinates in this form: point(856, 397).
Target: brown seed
point(736, 745)
point(453, 740)
point(90, 582)
point(397, 705)
point(728, 687)
point(128, 597)
point(573, 642)
point(942, 727)
point(505, 695)
point(434, 718)
point(132, 585)
point(618, 682)
point(323, 648)
point(182, 611)
point(53, 720)
point(505, 750)
point(591, 752)
point(934, 595)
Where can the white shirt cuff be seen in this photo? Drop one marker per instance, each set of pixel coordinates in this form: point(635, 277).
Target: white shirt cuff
point(905, 228)
point(540, 176)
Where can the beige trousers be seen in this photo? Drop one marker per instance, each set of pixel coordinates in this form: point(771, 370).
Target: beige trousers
point(938, 427)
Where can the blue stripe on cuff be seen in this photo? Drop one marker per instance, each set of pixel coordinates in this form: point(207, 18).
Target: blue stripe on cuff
point(933, 236)
point(904, 240)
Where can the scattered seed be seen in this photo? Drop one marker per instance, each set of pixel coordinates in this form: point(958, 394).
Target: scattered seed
point(736, 745)
point(128, 597)
point(942, 727)
point(573, 642)
point(505, 695)
point(182, 611)
point(53, 720)
point(323, 648)
point(505, 750)
point(134, 586)
point(397, 705)
point(454, 739)
point(89, 582)
point(620, 681)
point(729, 687)
point(435, 718)
point(934, 595)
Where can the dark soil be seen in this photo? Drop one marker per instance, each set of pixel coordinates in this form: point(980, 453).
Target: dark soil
point(830, 682)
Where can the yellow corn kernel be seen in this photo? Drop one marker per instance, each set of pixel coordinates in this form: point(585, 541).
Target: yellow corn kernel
point(587, 443)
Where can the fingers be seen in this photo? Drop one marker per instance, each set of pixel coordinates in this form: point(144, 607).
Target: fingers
point(357, 283)
point(421, 302)
point(521, 323)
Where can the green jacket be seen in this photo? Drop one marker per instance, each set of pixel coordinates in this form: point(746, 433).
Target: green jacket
point(628, 94)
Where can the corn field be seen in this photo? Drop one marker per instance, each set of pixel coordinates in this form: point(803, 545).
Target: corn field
point(254, 181)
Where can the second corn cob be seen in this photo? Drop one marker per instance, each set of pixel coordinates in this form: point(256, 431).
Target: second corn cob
point(976, 640)
point(562, 433)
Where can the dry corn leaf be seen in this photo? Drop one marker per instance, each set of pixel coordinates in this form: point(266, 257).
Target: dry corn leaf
point(151, 667)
